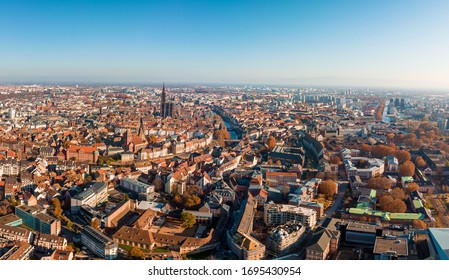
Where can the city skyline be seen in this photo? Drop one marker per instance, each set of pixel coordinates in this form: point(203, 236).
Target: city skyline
point(346, 43)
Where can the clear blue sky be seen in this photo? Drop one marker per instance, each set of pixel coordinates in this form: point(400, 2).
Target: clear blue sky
point(349, 43)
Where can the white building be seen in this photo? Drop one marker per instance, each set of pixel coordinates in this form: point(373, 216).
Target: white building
point(279, 214)
point(97, 193)
point(142, 189)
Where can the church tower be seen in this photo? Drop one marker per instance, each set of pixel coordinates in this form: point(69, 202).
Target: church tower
point(141, 130)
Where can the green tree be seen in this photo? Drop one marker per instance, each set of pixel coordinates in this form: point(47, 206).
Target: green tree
point(187, 219)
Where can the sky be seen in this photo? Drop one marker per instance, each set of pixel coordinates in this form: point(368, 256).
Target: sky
point(377, 43)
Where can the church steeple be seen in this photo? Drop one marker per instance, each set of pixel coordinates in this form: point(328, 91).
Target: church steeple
point(163, 94)
point(141, 130)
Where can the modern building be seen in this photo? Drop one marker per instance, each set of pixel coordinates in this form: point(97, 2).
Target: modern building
point(279, 214)
point(438, 241)
point(36, 218)
point(98, 243)
point(96, 193)
point(144, 191)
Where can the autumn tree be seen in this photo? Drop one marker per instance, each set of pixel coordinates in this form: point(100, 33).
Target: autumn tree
point(328, 187)
point(379, 183)
point(136, 253)
point(402, 156)
point(187, 219)
point(397, 193)
point(366, 149)
point(407, 169)
point(271, 143)
point(420, 162)
point(380, 151)
point(389, 204)
point(419, 224)
point(56, 207)
point(384, 201)
point(396, 206)
point(412, 187)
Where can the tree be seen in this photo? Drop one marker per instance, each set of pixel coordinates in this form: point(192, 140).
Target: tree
point(407, 169)
point(412, 187)
point(419, 224)
point(335, 160)
point(397, 206)
point(420, 162)
point(177, 199)
point(187, 219)
point(57, 210)
point(384, 201)
point(380, 151)
point(328, 187)
point(100, 161)
point(366, 149)
point(125, 197)
point(271, 143)
point(135, 252)
point(398, 193)
point(403, 156)
point(191, 201)
point(379, 183)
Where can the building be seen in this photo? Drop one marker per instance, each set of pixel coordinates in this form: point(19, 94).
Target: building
point(274, 179)
point(16, 234)
point(10, 220)
point(285, 238)
point(96, 193)
point(364, 167)
point(239, 238)
point(134, 237)
point(360, 233)
point(145, 192)
point(279, 214)
point(82, 153)
point(325, 240)
point(390, 247)
point(118, 214)
point(20, 251)
point(98, 243)
point(166, 107)
point(391, 164)
point(438, 242)
point(45, 242)
point(35, 218)
point(287, 156)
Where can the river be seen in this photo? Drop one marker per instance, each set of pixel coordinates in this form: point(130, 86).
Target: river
point(231, 130)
